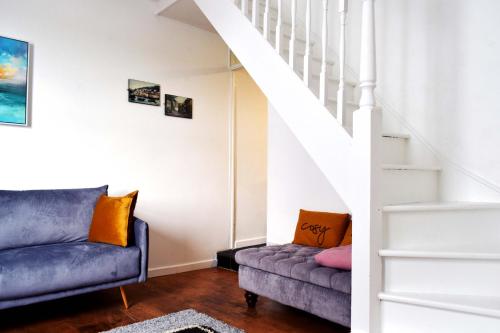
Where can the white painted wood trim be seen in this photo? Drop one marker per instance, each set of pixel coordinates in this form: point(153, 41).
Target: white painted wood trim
point(343, 7)
point(442, 206)
point(256, 13)
point(465, 304)
point(323, 88)
point(279, 36)
point(250, 241)
point(265, 24)
point(307, 52)
point(244, 7)
point(232, 162)
point(181, 268)
point(439, 255)
point(291, 45)
point(367, 279)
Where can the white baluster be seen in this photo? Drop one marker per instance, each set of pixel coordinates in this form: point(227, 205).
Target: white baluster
point(244, 7)
point(341, 91)
point(307, 53)
point(278, 29)
point(255, 13)
point(367, 73)
point(291, 48)
point(324, 45)
point(266, 21)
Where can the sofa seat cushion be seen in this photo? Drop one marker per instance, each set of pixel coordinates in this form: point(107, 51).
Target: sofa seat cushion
point(45, 269)
point(296, 262)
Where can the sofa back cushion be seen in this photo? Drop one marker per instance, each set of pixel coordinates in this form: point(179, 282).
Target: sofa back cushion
point(39, 217)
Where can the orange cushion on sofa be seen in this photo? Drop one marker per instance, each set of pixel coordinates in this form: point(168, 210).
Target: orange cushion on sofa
point(110, 223)
point(320, 229)
point(348, 236)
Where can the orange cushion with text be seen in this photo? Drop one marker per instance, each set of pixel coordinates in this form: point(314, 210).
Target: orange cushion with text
point(348, 236)
point(320, 229)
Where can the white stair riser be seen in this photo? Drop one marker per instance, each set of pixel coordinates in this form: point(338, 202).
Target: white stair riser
point(299, 41)
point(333, 87)
point(448, 230)
point(315, 65)
point(409, 186)
point(442, 276)
point(405, 318)
point(394, 150)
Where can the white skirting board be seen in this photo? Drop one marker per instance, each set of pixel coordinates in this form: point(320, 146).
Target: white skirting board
point(181, 268)
point(250, 241)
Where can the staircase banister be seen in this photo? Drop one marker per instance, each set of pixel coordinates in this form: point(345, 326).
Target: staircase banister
point(328, 144)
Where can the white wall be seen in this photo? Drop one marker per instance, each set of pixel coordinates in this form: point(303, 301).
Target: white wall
point(84, 132)
point(250, 160)
point(294, 182)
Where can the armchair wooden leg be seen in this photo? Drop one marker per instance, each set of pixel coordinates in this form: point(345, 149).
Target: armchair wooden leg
point(124, 297)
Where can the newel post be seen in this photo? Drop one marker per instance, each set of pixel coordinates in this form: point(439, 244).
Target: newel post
point(367, 216)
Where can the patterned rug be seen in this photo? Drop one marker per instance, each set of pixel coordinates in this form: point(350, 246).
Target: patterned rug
point(187, 321)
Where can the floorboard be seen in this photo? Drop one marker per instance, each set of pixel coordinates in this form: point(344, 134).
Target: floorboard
point(211, 291)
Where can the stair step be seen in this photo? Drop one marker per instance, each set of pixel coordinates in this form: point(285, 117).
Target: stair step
point(332, 88)
point(441, 206)
point(394, 147)
point(429, 313)
point(468, 273)
point(299, 55)
point(335, 80)
point(478, 305)
point(406, 183)
point(396, 136)
point(439, 254)
point(441, 226)
point(288, 36)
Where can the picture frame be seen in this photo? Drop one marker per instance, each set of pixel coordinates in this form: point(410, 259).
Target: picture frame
point(15, 69)
point(143, 92)
point(178, 106)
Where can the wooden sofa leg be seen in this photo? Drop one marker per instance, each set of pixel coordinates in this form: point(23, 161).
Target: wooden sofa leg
point(124, 297)
point(251, 299)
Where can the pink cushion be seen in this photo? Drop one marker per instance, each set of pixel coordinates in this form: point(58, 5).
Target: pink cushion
point(336, 257)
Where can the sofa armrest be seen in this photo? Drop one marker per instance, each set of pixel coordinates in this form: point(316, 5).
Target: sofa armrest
point(141, 235)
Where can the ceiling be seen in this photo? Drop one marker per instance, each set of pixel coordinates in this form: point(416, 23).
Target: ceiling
point(186, 11)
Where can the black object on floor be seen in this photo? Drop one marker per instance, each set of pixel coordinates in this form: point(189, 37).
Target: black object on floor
point(193, 329)
point(225, 259)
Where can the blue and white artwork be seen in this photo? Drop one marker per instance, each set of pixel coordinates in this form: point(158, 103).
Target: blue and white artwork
point(14, 62)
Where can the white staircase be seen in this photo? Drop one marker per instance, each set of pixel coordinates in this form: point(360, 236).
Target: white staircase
point(419, 265)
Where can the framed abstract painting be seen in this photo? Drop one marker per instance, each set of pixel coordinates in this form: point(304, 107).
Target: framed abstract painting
point(14, 71)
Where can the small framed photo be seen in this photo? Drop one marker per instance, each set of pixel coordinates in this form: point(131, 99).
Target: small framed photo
point(14, 81)
point(144, 92)
point(177, 106)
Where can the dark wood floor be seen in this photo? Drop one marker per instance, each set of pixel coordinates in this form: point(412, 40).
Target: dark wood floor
point(211, 291)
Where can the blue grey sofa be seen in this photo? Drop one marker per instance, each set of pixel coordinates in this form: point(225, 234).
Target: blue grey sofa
point(44, 252)
point(288, 274)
